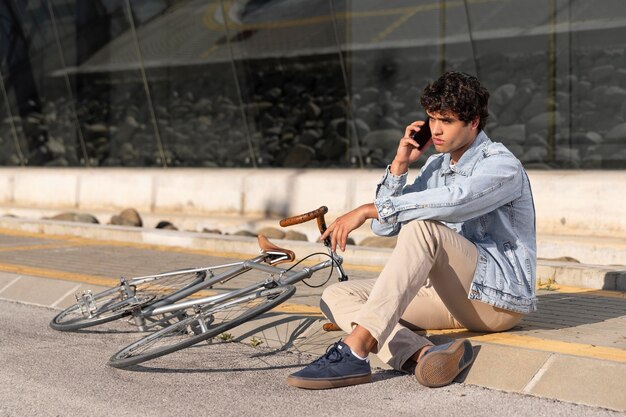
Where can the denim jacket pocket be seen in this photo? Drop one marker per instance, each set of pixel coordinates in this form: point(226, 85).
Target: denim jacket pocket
point(519, 277)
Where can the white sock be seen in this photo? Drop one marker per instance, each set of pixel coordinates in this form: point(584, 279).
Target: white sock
point(358, 357)
point(355, 355)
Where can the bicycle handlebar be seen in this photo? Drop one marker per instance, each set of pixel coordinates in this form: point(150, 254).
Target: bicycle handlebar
point(301, 218)
point(321, 224)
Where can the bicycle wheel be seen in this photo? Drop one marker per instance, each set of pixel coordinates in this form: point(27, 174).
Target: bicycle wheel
point(209, 322)
point(117, 302)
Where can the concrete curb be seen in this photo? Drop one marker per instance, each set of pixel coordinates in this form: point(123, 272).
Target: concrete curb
point(587, 249)
point(548, 271)
point(605, 250)
point(600, 277)
point(557, 193)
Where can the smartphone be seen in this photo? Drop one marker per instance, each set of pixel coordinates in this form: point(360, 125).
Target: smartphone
point(423, 136)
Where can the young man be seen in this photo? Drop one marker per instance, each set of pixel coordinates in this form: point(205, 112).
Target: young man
point(465, 256)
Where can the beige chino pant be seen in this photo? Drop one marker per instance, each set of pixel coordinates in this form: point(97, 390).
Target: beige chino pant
point(399, 301)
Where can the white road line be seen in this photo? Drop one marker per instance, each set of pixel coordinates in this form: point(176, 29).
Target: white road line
point(70, 292)
point(10, 283)
point(537, 377)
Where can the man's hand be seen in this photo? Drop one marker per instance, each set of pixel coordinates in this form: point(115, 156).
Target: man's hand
point(344, 225)
point(408, 151)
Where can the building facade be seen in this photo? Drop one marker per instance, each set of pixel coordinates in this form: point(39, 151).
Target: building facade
point(302, 83)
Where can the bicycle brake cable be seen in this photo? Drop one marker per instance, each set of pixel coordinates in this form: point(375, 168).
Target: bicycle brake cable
point(329, 275)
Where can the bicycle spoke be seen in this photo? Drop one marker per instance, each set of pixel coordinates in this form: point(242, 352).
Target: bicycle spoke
point(164, 285)
point(193, 326)
point(207, 323)
point(117, 302)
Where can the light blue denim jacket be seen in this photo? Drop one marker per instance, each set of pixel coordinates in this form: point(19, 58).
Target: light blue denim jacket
point(486, 197)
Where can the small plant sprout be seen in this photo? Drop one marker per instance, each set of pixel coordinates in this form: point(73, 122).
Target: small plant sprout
point(254, 342)
point(225, 337)
point(549, 285)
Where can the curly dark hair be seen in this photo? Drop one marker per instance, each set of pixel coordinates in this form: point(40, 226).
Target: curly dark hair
point(458, 93)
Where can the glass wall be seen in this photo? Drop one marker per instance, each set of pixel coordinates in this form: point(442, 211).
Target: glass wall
point(302, 83)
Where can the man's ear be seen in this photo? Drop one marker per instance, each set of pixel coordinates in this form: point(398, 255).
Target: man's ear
point(474, 123)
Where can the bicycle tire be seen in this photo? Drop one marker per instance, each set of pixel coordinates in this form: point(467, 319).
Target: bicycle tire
point(75, 318)
point(223, 316)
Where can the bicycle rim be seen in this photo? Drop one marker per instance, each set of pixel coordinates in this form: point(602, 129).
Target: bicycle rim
point(114, 303)
point(215, 319)
point(75, 317)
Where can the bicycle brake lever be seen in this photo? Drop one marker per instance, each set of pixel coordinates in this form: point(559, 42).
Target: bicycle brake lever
point(342, 274)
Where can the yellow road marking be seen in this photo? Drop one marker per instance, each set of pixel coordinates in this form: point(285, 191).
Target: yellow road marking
point(536, 343)
point(77, 240)
point(109, 282)
point(77, 277)
point(297, 309)
point(586, 291)
point(55, 274)
point(93, 242)
point(36, 247)
point(39, 235)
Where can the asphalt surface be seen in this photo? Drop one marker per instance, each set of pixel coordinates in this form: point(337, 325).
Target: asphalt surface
point(49, 373)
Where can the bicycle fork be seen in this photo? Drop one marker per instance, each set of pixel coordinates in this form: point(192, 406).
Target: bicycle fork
point(86, 303)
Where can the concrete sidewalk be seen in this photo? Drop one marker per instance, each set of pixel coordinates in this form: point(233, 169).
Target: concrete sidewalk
point(572, 349)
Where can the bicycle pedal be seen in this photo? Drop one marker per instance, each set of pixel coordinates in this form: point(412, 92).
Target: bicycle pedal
point(330, 327)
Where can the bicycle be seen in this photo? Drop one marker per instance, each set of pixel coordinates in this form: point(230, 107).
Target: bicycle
point(155, 300)
point(207, 317)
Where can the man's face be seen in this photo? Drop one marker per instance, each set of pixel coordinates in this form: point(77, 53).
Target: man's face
point(451, 135)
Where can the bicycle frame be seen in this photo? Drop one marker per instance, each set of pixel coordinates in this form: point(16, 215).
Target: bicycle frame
point(277, 277)
point(286, 278)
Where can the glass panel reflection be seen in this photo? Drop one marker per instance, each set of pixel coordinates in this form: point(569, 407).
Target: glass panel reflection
point(192, 84)
point(42, 110)
point(394, 51)
point(11, 142)
point(111, 100)
point(302, 83)
point(291, 82)
point(595, 85)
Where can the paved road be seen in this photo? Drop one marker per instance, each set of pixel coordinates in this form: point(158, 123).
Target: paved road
point(47, 373)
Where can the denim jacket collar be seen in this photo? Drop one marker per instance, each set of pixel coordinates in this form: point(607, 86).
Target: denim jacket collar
point(465, 165)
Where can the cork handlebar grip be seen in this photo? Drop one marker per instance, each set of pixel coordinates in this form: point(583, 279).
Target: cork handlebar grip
point(301, 218)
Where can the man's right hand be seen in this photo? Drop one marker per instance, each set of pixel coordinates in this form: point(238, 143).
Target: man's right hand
point(408, 151)
point(344, 225)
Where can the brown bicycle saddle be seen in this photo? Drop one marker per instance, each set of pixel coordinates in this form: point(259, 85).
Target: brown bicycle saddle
point(277, 254)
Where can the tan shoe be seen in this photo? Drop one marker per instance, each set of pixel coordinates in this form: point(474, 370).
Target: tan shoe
point(442, 363)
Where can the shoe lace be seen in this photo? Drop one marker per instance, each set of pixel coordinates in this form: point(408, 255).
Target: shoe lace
point(333, 354)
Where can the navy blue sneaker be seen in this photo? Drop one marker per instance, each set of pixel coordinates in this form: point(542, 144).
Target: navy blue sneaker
point(338, 367)
point(442, 363)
